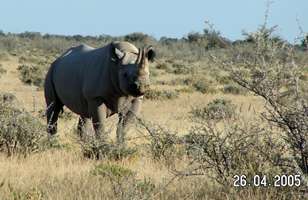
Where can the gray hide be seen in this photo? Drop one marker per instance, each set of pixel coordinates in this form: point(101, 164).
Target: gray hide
point(96, 83)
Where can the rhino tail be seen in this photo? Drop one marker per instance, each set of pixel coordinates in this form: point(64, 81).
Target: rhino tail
point(51, 96)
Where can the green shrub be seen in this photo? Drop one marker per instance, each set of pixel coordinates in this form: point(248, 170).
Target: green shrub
point(94, 148)
point(162, 66)
point(20, 133)
point(163, 143)
point(112, 170)
point(7, 98)
point(233, 89)
point(139, 37)
point(4, 56)
point(32, 75)
point(145, 187)
point(2, 70)
point(241, 147)
point(304, 77)
point(218, 109)
point(199, 83)
point(185, 90)
point(181, 69)
point(123, 181)
point(153, 72)
point(32, 194)
point(154, 94)
point(203, 85)
point(223, 79)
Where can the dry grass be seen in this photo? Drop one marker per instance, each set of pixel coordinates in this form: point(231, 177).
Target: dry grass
point(65, 174)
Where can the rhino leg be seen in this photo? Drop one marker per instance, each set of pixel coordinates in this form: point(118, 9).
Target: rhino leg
point(127, 119)
point(52, 113)
point(97, 112)
point(83, 126)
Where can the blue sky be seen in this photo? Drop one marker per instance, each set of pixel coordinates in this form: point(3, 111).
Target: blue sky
point(172, 18)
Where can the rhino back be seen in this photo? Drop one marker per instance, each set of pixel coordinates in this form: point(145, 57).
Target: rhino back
point(78, 76)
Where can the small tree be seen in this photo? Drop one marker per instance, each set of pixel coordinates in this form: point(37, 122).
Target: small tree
point(269, 69)
point(304, 43)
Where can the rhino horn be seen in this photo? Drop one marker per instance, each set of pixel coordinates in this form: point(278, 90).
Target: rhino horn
point(143, 62)
point(139, 56)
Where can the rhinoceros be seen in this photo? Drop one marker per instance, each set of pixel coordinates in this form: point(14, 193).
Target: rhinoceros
point(96, 83)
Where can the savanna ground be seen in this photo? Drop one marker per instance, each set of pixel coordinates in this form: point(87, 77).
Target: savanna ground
point(198, 127)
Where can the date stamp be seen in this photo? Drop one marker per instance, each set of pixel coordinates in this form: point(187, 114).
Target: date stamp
point(267, 181)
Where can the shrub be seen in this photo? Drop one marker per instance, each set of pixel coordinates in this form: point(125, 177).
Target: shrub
point(139, 37)
point(94, 148)
point(218, 109)
point(154, 94)
point(153, 72)
point(123, 181)
point(20, 133)
point(223, 79)
point(2, 70)
point(270, 70)
point(233, 89)
point(181, 69)
point(201, 84)
point(112, 170)
point(162, 66)
point(241, 147)
point(32, 75)
point(163, 143)
point(7, 98)
point(32, 194)
point(165, 66)
point(4, 56)
point(185, 90)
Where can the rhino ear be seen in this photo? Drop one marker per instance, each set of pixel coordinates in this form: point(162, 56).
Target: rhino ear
point(150, 54)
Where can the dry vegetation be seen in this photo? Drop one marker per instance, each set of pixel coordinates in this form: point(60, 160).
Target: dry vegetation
point(216, 109)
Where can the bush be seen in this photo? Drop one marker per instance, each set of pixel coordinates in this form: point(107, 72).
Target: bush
point(32, 75)
point(154, 94)
point(7, 98)
point(32, 194)
point(20, 133)
point(163, 66)
point(233, 89)
point(123, 182)
point(181, 69)
point(163, 143)
point(94, 148)
point(139, 37)
point(241, 147)
point(218, 109)
point(185, 90)
point(270, 69)
point(4, 56)
point(223, 79)
point(201, 84)
point(2, 70)
point(111, 170)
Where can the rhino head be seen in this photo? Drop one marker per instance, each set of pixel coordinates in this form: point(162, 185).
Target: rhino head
point(133, 69)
